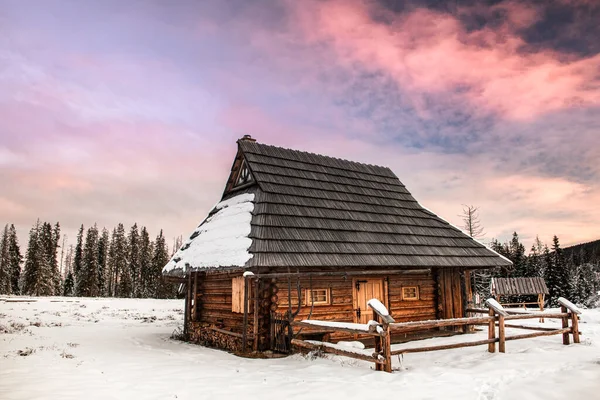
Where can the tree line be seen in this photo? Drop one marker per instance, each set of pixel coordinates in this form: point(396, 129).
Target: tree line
point(102, 263)
point(572, 274)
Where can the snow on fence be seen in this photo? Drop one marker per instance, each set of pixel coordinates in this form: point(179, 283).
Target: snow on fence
point(383, 326)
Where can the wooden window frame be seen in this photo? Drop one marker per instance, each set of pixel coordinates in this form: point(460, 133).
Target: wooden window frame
point(308, 301)
point(416, 298)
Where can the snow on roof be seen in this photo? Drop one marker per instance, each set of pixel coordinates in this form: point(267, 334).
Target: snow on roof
point(220, 241)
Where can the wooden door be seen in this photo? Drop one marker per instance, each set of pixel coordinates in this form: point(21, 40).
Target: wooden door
point(365, 290)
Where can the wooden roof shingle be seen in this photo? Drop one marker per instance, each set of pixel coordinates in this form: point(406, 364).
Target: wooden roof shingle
point(318, 211)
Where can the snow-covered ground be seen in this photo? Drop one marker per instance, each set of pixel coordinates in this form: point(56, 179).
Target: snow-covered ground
point(120, 349)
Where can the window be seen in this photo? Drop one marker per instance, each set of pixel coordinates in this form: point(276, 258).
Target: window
point(244, 176)
point(319, 297)
point(410, 293)
point(237, 294)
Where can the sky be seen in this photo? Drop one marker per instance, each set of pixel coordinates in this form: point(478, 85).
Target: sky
point(128, 111)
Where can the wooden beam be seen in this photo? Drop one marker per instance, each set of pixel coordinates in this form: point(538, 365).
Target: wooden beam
point(535, 315)
point(245, 324)
point(575, 327)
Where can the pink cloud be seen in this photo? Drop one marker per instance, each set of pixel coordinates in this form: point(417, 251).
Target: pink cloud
point(425, 51)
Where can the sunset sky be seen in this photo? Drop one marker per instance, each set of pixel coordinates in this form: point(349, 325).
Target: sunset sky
point(128, 111)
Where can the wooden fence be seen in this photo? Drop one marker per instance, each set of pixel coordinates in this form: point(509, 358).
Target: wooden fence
point(383, 326)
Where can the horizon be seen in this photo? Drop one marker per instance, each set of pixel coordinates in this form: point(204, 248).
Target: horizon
point(129, 112)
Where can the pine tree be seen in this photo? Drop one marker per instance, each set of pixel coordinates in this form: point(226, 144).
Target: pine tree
point(557, 277)
point(34, 263)
point(160, 258)
point(88, 285)
point(145, 286)
point(53, 259)
point(15, 259)
point(133, 260)
point(516, 254)
point(5, 284)
point(69, 284)
point(78, 260)
point(103, 244)
point(121, 276)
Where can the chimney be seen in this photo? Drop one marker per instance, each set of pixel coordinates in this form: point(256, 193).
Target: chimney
point(247, 138)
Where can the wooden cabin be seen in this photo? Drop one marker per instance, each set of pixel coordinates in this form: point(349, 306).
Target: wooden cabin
point(304, 236)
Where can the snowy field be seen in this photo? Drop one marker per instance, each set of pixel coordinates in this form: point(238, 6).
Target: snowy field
point(70, 348)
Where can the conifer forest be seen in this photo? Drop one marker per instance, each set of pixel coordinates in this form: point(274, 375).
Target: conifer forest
point(128, 263)
point(102, 263)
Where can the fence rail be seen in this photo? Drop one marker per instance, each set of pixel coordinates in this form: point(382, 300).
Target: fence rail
point(383, 326)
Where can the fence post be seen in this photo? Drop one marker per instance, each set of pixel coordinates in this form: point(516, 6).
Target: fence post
point(387, 341)
point(492, 332)
point(565, 324)
point(501, 335)
point(575, 327)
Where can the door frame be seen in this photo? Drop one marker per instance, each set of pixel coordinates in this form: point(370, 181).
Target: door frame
point(384, 289)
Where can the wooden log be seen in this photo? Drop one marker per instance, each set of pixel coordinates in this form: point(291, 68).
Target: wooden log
point(226, 332)
point(387, 349)
point(535, 315)
point(327, 349)
point(565, 324)
point(256, 307)
point(536, 334)
point(498, 309)
point(501, 335)
point(301, 324)
point(575, 327)
point(445, 346)
point(398, 327)
point(195, 298)
point(568, 305)
point(492, 332)
point(245, 322)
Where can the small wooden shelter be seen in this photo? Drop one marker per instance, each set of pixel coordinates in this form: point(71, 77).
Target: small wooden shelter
point(510, 288)
point(299, 236)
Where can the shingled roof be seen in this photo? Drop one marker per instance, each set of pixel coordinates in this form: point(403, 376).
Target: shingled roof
point(316, 211)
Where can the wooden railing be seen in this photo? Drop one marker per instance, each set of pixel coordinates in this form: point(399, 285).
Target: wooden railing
point(383, 326)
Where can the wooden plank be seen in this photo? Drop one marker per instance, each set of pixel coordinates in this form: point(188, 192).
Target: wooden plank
point(516, 316)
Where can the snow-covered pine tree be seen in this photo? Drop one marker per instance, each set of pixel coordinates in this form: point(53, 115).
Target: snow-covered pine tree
point(118, 263)
point(69, 281)
point(160, 258)
point(557, 277)
point(78, 260)
point(53, 260)
point(34, 262)
point(103, 244)
point(144, 288)
point(88, 285)
point(133, 260)
point(5, 286)
point(15, 258)
point(516, 254)
point(69, 284)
